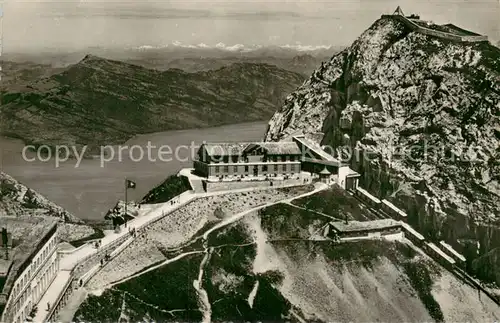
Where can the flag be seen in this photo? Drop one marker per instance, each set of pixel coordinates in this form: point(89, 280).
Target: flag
point(130, 184)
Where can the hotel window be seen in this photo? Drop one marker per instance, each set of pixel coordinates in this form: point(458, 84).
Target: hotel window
point(216, 169)
point(235, 159)
point(225, 159)
point(226, 169)
point(246, 168)
point(275, 167)
point(235, 169)
point(284, 167)
point(264, 168)
point(279, 158)
point(292, 158)
point(292, 168)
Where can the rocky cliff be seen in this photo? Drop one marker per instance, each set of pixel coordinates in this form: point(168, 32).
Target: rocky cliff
point(18, 200)
point(419, 117)
point(99, 101)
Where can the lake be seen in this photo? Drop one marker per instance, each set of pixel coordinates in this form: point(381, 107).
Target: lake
point(91, 188)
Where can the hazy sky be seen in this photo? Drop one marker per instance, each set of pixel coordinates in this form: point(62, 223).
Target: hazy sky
point(73, 25)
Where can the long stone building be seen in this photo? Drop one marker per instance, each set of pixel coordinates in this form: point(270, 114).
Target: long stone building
point(28, 264)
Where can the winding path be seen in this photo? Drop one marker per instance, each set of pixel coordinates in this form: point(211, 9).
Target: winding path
point(70, 261)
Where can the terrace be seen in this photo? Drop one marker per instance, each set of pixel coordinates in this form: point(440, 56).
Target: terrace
point(359, 226)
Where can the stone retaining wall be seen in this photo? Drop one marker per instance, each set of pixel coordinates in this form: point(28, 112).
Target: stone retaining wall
point(435, 33)
point(234, 185)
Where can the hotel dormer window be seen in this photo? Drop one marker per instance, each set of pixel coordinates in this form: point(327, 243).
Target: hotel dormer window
point(225, 159)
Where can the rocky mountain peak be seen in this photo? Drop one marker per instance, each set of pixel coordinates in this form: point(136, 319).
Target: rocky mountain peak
point(427, 108)
point(90, 57)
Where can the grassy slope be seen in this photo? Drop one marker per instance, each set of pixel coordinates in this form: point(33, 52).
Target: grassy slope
point(148, 296)
point(299, 274)
point(335, 202)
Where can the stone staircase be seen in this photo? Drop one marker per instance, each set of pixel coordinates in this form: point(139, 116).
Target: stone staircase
point(197, 185)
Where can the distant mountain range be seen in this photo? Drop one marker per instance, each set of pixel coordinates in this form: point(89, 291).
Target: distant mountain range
point(99, 101)
point(163, 54)
point(304, 64)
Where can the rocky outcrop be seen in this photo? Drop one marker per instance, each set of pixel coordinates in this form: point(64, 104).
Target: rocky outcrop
point(419, 117)
point(19, 200)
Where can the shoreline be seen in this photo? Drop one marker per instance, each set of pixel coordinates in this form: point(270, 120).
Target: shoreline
point(89, 190)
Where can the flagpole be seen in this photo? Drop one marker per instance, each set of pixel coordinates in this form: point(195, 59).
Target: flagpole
point(126, 188)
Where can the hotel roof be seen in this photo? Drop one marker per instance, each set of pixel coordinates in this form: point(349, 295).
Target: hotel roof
point(315, 148)
point(353, 226)
point(27, 234)
point(325, 172)
point(239, 148)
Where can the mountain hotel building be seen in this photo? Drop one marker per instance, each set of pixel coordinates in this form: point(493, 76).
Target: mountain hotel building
point(271, 160)
point(253, 160)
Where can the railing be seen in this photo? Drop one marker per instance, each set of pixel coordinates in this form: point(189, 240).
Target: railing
point(52, 310)
point(173, 210)
point(71, 251)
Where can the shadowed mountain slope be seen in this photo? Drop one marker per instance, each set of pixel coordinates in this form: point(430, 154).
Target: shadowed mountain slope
point(99, 101)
